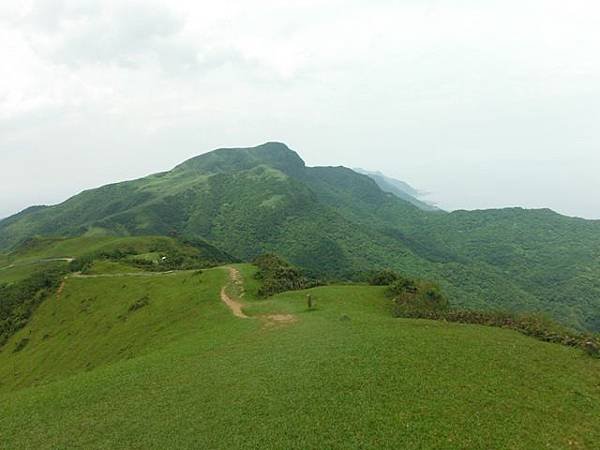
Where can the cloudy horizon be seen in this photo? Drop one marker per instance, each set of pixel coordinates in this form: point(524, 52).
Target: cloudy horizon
point(480, 105)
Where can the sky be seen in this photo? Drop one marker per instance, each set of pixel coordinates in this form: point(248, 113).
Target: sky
point(481, 104)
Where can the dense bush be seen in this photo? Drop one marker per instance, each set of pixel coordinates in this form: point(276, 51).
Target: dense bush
point(18, 301)
point(402, 286)
point(277, 276)
point(416, 297)
point(383, 278)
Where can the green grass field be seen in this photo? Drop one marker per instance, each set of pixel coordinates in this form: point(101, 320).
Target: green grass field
point(103, 369)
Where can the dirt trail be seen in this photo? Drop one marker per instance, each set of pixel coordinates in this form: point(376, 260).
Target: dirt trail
point(61, 288)
point(237, 285)
point(231, 293)
point(235, 306)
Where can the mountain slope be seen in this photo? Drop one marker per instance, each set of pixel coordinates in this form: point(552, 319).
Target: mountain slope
point(184, 372)
point(338, 223)
point(244, 201)
point(556, 258)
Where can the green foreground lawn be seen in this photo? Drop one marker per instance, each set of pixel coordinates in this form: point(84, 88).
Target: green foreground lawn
point(183, 372)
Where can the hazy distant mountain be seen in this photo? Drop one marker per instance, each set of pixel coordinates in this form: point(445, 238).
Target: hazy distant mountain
point(399, 188)
point(339, 223)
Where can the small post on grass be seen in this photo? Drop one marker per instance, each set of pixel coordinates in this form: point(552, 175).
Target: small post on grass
point(309, 300)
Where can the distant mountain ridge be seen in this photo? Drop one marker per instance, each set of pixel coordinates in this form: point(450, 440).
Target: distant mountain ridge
point(399, 188)
point(338, 223)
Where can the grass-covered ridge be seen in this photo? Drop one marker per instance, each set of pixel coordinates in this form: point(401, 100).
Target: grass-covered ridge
point(163, 363)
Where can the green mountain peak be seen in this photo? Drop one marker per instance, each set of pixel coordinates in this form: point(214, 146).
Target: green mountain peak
point(274, 154)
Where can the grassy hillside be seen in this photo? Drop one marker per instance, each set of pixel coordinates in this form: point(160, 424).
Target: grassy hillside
point(338, 224)
point(96, 321)
point(40, 267)
point(183, 372)
point(107, 253)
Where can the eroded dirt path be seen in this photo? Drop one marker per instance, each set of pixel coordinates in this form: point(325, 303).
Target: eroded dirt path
point(236, 283)
point(61, 288)
point(233, 292)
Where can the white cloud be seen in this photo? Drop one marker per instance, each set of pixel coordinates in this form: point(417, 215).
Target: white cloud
point(435, 91)
point(125, 33)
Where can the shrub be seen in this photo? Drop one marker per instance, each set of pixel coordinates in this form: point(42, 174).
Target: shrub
point(402, 286)
point(383, 278)
point(140, 303)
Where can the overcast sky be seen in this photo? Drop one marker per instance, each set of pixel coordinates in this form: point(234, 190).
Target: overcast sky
point(482, 103)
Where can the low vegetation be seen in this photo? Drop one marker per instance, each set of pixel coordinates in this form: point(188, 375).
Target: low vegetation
point(417, 299)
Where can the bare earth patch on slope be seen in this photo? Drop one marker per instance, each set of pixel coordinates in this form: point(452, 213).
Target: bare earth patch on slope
point(278, 320)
